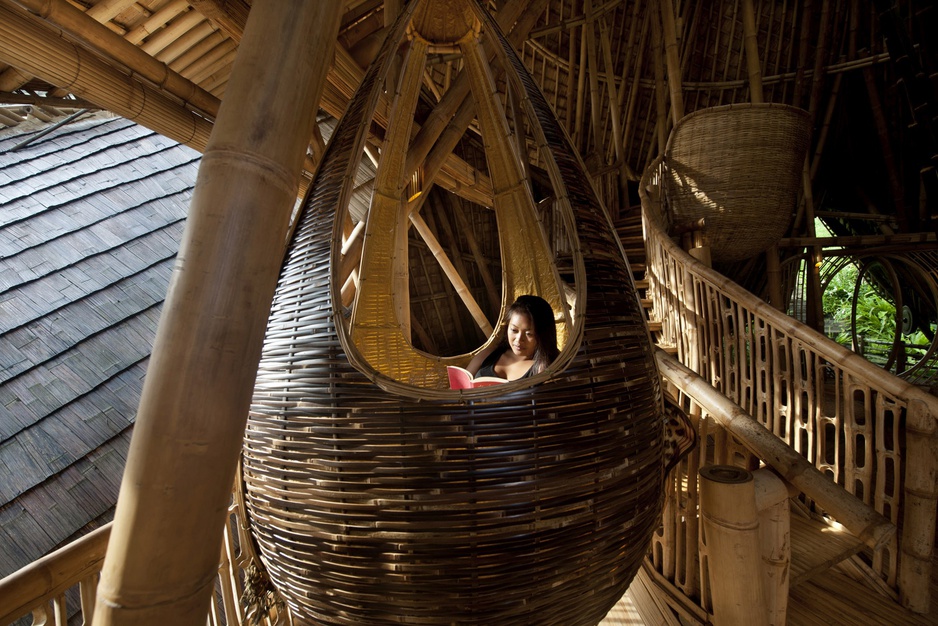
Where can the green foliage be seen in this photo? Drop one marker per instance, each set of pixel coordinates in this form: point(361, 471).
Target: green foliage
point(876, 317)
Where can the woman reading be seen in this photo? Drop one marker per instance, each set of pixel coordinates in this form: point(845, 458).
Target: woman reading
point(530, 344)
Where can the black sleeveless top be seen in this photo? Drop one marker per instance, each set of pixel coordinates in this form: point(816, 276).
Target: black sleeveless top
point(488, 365)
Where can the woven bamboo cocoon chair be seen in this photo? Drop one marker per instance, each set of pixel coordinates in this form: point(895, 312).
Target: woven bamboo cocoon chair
point(739, 167)
point(375, 500)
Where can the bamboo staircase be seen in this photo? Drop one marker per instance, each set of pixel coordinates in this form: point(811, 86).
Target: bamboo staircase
point(828, 582)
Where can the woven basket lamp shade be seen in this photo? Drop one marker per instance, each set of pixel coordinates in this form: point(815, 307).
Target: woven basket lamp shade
point(377, 501)
point(739, 167)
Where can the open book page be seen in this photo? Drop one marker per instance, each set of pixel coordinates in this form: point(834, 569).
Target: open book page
point(460, 378)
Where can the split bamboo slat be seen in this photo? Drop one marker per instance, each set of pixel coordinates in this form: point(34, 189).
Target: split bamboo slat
point(802, 387)
point(373, 500)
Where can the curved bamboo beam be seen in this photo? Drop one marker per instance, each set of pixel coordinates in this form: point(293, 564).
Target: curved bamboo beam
point(162, 558)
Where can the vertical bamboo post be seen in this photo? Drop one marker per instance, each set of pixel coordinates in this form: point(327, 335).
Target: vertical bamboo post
point(661, 105)
point(672, 58)
point(731, 535)
point(593, 62)
point(773, 274)
point(921, 496)
point(775, 537)
point(162, 558)
point(753, 65)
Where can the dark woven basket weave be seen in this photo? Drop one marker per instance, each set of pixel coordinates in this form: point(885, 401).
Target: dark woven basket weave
point(739, 167)
point(375, 502)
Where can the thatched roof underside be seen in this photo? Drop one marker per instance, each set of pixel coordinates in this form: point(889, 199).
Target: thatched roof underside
point(90, 222)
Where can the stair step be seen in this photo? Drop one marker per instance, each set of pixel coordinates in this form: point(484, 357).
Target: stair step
point(647, 303)
point(838, 600)
point(654, 326)
point(672, 350)
point(818, 546)
point(638, 269)
point(641, 283)
point(632, 242)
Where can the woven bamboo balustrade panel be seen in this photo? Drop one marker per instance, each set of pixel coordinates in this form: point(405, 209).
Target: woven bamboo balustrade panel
point(739, 167)
point(378, 502)
point(845, 415)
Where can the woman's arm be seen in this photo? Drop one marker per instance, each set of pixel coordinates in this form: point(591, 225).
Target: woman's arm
point(477, 360)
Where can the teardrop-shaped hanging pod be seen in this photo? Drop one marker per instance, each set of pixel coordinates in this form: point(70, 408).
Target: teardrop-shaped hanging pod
point(378, 496)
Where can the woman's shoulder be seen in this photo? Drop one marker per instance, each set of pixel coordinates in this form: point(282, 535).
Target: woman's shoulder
point(480, 359)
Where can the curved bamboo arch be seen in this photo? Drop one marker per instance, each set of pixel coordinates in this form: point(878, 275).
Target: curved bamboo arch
point(374, 500)
point(379, 331)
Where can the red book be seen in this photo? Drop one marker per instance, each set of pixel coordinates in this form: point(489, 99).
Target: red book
point(460, 378)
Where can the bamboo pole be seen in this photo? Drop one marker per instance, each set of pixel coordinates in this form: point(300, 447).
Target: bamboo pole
point(661, 123)
point(773, 274)
point(920, 508)
point(492, 290)
point(106, 10)
point(99, 37)
point(162, 558)
point(28, 44)
point(751, 44)
point(384, 256)
point(870, 527)
point(593, 76)
point(166, 36)
point(611, 89)
point(230, 15)
point(571, 59)
point(157, 20)
point(731, 536)
point(52, 575)
point(774, 513)
point(580, 92)
point(672, 59)
point(462, 290)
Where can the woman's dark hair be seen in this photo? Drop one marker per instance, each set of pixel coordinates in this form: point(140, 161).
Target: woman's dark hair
point(542, 317)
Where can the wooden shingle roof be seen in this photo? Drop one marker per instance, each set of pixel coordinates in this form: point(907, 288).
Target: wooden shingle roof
point(91, 216)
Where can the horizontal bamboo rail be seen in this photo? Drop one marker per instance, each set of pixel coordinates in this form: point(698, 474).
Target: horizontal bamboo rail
point(853, 421)
point(861, 520)
point(49, 577)
point(77, 565)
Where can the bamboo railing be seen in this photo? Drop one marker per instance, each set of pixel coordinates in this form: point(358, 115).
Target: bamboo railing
point(868, 431)
point(60, 587)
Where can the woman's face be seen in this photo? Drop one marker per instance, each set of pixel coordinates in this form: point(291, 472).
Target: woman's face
point(521, 336)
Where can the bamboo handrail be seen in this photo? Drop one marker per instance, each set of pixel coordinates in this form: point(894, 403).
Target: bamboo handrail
point(860, 519)
point(780, 369)
point(51, 575)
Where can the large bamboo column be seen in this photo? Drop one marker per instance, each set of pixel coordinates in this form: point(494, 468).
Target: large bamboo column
point(163, 554)
point(731, 535)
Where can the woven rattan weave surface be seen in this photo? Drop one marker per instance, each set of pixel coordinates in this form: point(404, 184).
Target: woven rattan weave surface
point(739, 168)
point(378, 502)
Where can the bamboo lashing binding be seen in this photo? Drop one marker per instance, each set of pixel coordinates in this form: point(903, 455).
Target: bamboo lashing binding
point(375, 500)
